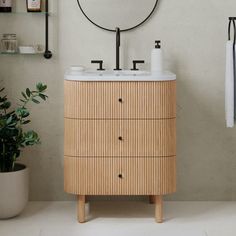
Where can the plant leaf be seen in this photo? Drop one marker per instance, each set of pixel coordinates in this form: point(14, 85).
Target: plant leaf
point(44, 97)
point(9, 120)
point(3, 99)
point(22, 112)
point(35, 101)
point(39, 86)
point(44, 87)
point(5, 105)
point(26, 122)
point(24, 95)
point(28, 92)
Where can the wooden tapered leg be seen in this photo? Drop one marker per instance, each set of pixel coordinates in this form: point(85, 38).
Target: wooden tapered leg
point(151, 199)
point(81, 208)
point(159, 209)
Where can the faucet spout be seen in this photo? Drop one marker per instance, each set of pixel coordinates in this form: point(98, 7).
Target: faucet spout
point(117, 49)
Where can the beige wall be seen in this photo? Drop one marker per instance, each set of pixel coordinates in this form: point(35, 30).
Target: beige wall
point(193, 35)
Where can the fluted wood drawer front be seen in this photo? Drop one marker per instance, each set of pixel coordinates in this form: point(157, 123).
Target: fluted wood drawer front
point(120, 137)
point(91, 138)
point(119, 176)
point(148, 138)
point(149, 100)
point(120, 100)
point(90, 100)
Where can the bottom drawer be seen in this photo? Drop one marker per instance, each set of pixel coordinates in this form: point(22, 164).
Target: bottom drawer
point(120, 176)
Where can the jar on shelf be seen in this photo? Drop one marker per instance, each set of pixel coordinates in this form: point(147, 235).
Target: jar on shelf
point(9, 43)
point(5, 5)
point(34, 5)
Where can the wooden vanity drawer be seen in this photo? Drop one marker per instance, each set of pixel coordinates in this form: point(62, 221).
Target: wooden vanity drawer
point(120, 100)
point(119, 176)
point(92, 100)
point(149, 100)
point(120, 138)
point(91, 137)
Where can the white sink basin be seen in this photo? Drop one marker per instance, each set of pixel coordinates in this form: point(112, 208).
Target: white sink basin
point(79, 74)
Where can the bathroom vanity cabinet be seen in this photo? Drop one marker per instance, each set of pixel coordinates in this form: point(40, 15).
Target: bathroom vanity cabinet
point(120, 139)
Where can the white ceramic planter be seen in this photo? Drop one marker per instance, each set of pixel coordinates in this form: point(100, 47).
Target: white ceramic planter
point(14, 191)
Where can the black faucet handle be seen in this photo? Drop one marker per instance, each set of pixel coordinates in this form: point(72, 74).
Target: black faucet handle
point(100, 62)
point(135, 62)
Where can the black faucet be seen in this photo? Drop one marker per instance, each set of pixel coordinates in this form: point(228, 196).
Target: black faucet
point(117, 49)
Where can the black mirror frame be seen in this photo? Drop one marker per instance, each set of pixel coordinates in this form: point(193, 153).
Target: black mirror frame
point(122, 30)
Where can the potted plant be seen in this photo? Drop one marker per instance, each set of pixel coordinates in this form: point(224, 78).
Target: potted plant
point(13, 139)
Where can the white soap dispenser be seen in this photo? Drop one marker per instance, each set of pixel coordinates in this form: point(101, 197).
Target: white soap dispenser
point(156, 60)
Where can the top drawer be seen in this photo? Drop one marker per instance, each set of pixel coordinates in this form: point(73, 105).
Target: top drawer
point(120, 100)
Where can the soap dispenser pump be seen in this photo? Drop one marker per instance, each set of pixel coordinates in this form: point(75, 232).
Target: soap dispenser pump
point(156, 60)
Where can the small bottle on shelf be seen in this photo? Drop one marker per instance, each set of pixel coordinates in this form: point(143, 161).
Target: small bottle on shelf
point(34, 5)
point(5, 5)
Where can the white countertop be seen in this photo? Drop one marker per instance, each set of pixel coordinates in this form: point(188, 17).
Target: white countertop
point(124, 75)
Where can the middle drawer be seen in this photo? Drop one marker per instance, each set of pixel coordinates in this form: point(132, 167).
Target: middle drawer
point(144, 138)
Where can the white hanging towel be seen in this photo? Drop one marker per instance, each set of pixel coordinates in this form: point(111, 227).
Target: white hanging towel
point(229, 85)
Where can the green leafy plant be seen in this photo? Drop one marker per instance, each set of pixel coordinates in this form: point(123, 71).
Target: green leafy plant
point(13, 137)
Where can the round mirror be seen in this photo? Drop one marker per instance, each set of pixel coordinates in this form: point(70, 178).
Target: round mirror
point(125, 14)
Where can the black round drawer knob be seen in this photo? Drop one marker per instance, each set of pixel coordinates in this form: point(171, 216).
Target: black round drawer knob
point(120, 176)
point(120, 100)
point(120, 138)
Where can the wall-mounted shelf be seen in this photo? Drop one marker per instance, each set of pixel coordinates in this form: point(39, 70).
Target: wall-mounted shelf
point(18, 53)
point(47, 54)
point(25, 13)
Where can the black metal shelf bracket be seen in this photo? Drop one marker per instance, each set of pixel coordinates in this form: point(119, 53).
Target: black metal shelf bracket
point(47, 53)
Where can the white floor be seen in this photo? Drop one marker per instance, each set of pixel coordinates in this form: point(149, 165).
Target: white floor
point(124, 219)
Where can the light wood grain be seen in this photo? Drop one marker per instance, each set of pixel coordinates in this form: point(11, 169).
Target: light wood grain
point(81, 208)
point(84, 100)
point(139, 138)
point(139, 176)
point(120, 139)
point(100, 100)
point(149, 100)
point(159, 209)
